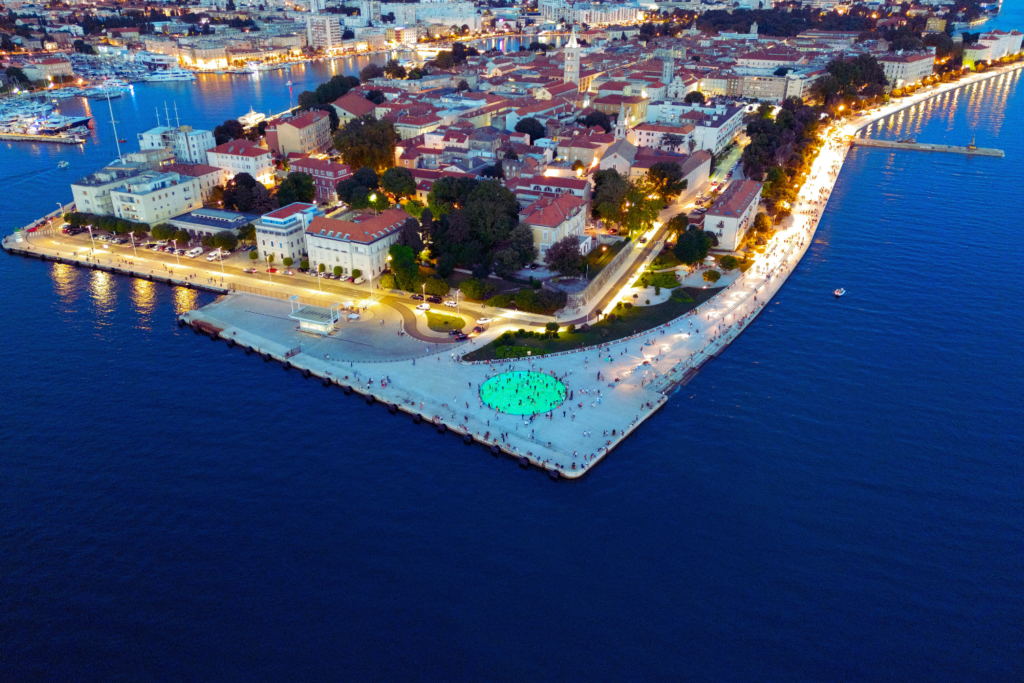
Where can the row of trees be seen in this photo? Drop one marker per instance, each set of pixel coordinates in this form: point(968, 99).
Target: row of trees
point(850, 79)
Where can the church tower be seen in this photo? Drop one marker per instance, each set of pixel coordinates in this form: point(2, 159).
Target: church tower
point(668, 67)
point(572, 59)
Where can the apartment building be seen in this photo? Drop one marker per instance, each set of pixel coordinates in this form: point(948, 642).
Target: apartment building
point(280, 232)
point(242, 156)
point(188, 145)
point(308, 133)
point(156, 197)
point(358, 241)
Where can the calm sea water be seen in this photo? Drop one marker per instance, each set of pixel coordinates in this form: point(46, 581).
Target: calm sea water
point(839, 497)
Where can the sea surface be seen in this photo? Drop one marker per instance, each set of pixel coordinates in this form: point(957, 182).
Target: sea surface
point(838, 497)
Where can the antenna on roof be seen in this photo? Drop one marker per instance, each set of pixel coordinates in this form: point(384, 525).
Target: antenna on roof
point(177, 121)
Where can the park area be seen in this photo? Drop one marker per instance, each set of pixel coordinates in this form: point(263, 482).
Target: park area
point(523, 393)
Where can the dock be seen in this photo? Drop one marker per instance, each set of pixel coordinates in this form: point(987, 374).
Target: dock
point(926, 147)
point(59, 139)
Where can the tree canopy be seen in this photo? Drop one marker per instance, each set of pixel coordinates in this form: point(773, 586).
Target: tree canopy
point(366, 142)
point(532, 127)
point(692, 245)
point(398, 182)
point(666, 177)
point(244, 193)
point(297, 187)
point(608, 195)
point(564, 257)
point(371, 71)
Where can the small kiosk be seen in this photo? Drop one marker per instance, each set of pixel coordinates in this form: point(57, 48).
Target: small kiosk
point(315, 319)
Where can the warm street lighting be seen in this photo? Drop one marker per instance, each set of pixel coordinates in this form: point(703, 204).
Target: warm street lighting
point(176, 252)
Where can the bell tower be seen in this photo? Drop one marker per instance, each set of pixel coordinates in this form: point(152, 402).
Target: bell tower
point(668, 67)
point(572, 60)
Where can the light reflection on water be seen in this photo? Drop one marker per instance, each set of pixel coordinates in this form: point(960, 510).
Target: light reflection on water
point(184, 300)
point(144, 300)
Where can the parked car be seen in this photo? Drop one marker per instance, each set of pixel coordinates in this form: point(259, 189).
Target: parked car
point(249, 270)
point(289, 272)
point(423, 307)
point(417, 297)
point(461, 337)
point(434, 299)
point(452, 333)
point(359, 280)
point(532, 266)
point(450, 304)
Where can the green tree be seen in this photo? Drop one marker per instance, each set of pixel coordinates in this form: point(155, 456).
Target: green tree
point(356, 273)
point(297, 187)
point(762, 223)
point(270, 259)
point(564, 257)
point(376, 96)
point(532, 127)
point(17, 75)
point(729, 262)
point(449, 192)
point(695, 97)
point(609, 194)
point(692, 246)
point(398, 182)
point(712, 276)
point(338, 270)
point(403, 265)
point(463, 85)
point(253, 255)
point(492, 211)
point(410, 235)
point(303, 264)
point(371, 71)
point(640, 210)
point(666, 177)
point(365, 142)
point(320, 268)
point(475, 289)
point(394, 70)
point(182, 238)
point(597, 118)
point(225, 241)
point(437, 286)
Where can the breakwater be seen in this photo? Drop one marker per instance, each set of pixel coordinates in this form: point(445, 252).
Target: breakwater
point(927, 147)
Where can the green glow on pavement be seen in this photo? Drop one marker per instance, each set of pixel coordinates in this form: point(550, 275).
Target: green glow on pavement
point(523, 393)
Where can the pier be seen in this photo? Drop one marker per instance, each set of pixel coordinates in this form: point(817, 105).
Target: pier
point(59, 139)
point(927, 147)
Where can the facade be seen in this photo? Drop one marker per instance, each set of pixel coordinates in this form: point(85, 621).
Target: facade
point(188, 145)
point(733, 213)
point(619, 156)
point(629, 110)
point(905, 69)
point(92, 193)
point(323, 31)
point(554, 218)
point(714, 125)
point(242, 156)
point(308, 133)
point(326, 176)
point(209, 222)
point(280, 232)
point(359, 241)
point(155, 197)
point(49, 68)
point(207, 177)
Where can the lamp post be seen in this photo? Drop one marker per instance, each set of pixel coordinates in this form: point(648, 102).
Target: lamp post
point(373, 200)
point(270, 278)
point(61, 214)
point(132, 236)
point(89, 228)
point(177, 258)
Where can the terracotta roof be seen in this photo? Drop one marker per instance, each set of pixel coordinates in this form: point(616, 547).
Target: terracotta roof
point(364, 228)
point(736, 198)
point(289, 210)
point(321, 165)
point(354, 104)
point(310, 118)
point(550, 212)
point(240, 148)
point(191, 170)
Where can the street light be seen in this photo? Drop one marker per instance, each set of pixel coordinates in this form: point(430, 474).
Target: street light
point(270, 278)
point(177, 258)
point(132, 236)
point(89, 228)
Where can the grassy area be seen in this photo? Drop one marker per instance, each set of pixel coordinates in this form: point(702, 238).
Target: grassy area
point(663, 280)
point(599, 256)
point(666, 259)
point(627, 322)
point(442, 322)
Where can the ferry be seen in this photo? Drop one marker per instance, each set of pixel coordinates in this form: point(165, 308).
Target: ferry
point(169, 75)
point(251, 119)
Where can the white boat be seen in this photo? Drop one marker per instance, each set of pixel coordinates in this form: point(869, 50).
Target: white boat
point(63, 164)
point(169, 75)
point(251, 119)
point(839, 292)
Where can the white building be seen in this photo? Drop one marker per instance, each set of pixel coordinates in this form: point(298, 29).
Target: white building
point(733, 213)
point(156, 197)
point(360, 242)
point(714, 125)
point(92, 193)
point(280, 232)
point(323, 31)
point(553, 219)
point(907, 68)
point(189, 146)
point(242, 156)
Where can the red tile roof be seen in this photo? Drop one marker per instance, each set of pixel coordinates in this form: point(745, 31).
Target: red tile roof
point(290, 210)
point(191, 170)
point(736, 198)
point(364, 228)
point(550, 212)
point(354, 104)
point(240, 148)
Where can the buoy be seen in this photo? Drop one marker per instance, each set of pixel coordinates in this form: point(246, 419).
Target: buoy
point(495, 450)
point(524, 462)
point(553, 474)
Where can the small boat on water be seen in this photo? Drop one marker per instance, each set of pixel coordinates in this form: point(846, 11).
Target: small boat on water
point(839, 292)
point(63, 164)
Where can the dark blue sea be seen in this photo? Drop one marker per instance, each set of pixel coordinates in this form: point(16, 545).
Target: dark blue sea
point(838, 497)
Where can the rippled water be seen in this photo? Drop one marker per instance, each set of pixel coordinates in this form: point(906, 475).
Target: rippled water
point(838, 497)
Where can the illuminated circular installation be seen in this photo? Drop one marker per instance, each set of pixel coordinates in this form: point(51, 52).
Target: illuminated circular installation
point(523, 393)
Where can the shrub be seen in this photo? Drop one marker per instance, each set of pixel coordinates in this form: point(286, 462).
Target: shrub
point(477, 290)
point(584, 328)
point(712, 276)
point(288, 261)
point(304, 264)
point(436, 286)
point(207, 241)
point(657, 291)
point(729, 262)
point(356, 272)
point(647, 301)
point(500, 301)
point(571, 329)
point(628, 305)
point(387, 281)
point(321, 268)
point(681, 296)
point(337, 271)
point(253, 255)
point(551, 327)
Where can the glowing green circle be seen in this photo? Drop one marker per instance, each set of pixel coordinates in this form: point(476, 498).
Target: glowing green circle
point(523, 393)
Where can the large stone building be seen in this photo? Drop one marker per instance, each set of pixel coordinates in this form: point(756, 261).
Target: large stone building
point(552, 219)
point(733, 213)
point(357, 241)
point(242, 156)
point(188, 145)
point(280, 232)
point(902, 69)
point(308, 133)
point(326, 176)
point(154, 197)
